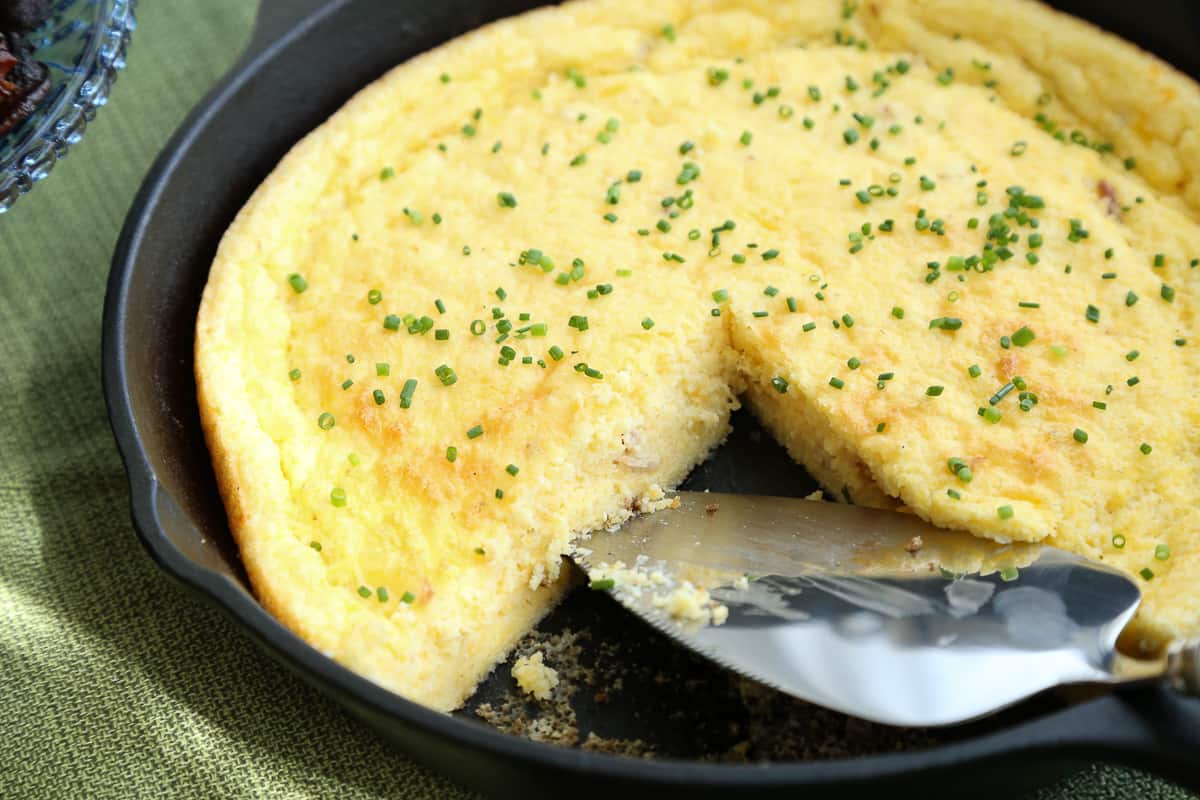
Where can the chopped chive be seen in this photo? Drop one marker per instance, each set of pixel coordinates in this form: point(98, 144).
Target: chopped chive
point(809, 326)
point(297, 282)
point(1004, 512)
point(1100, 405)
point(1167, 293)
point(374, 296)
point(854, 363)
point(602, 585)
point(1118, 541)
point(363, 591)
point(294, 374)
point(578, 323)
point(946, 323)
point(1027, 304)
point(556, 353)
point(506, 200)
point(791, 304)
point(1023, 336)
point(475, 433)
point(406, 392)
point(1092, 314)
point(325, 421)
point(957, 495)
point(1145, 448)
point(746, 138)
point(446, 375)
point(379, 397)
point(338, 497)
point(1130, 298)
point(1080, 435)
point(780, 384)
point(897, 312)
point(1009, 574)
point(512, 469)
point(1162, 552)
point(769, 255)
point(974, 371)
point(1001, 393)
point(346, 384)
point(391, 322)
point(407, 598)
point(1146, 573)
point(1134, 381)
point(837, 383)
point(848, 320)
point(934, 391)
point(315, 545)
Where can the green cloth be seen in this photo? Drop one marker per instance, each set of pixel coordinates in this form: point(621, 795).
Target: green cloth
point(115, 683)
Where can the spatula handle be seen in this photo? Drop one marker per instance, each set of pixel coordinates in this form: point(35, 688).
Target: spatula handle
point(1183, 666)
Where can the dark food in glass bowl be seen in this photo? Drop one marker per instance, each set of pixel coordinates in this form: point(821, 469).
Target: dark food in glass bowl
point(24, 82)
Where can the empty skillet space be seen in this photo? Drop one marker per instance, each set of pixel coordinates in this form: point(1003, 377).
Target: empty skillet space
point(231, 154)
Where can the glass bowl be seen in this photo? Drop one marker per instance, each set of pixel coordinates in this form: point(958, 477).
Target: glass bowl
point(83, 43)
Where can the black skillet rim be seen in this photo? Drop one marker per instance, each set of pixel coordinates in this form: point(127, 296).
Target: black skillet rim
point(1067, 734)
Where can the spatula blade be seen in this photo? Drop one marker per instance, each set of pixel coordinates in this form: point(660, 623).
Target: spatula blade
point(875, 614)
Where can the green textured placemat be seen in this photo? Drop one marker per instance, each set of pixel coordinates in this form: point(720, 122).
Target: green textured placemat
point(114, 682)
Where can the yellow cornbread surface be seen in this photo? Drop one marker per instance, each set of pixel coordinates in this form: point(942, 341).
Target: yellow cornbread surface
point(663, 206)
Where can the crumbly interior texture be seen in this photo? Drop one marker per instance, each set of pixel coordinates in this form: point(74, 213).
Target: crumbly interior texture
point(663, 207)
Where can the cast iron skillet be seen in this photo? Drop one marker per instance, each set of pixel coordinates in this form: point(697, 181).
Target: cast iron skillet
point(306, 58)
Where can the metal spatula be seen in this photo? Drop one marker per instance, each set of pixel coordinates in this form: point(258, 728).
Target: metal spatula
point(873, 613)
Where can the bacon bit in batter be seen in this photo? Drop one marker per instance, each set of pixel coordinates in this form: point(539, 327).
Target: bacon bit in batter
point(1105, 189)
point(712, 508)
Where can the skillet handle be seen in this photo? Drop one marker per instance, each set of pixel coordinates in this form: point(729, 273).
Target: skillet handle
point(275, 17)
